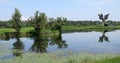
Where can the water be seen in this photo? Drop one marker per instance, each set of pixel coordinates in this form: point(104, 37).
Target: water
point(89, 41)
point(93, 42)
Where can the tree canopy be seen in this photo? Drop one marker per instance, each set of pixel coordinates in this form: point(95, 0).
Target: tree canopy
point(16, 21)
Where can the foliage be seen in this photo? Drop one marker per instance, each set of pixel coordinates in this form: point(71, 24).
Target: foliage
point(16, 21)
point(56, 24)
point(39, 22)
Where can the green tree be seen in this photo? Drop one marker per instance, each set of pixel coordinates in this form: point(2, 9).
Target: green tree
point(52, 23)
point(16, 20)
point(59, 22)
point(39, 22)
point(56, 24)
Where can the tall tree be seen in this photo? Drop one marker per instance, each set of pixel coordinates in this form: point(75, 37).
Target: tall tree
point(16, 20)
point(39, 21)
point(103, 37)
point(60, 21)
point(56, 24)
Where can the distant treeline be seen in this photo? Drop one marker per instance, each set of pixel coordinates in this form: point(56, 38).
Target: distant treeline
point(85, 23)
point(7, 24)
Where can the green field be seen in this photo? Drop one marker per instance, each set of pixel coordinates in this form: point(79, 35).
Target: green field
point(24, 30)
point(64, 28)
point(3, 30)
point(91, 27)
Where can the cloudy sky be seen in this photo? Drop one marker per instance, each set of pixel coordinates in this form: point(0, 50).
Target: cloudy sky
point(71, 9)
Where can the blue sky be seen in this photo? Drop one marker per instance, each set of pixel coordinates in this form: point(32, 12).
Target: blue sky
point(71, 9)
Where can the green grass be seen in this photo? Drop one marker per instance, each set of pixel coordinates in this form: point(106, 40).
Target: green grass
point(64, 28)
point(3, 30)
point(111, 60)
point(26, 29)
point(90, 27)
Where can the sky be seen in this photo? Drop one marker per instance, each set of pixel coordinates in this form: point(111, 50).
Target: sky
point(71, 9)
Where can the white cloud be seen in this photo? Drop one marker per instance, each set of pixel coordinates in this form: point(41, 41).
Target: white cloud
point(104, 2)
point(23, 18)
point(4, 1)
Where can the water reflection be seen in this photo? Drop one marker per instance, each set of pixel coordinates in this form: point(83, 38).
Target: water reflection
point(57, 40)
point(103, 37)
point(7, 35)
point(18, 45)
point(40, 44)
point(75, 41)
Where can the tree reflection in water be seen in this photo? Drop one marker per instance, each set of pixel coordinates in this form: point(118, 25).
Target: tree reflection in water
point(57, 40)
point(18, 45)
point(40, 44)
point(104, 37)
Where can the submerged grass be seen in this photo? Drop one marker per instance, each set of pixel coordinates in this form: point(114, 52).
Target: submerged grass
point(4, 49)
point(59, 57)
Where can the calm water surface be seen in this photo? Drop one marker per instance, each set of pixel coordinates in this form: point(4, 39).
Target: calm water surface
point(94, 42)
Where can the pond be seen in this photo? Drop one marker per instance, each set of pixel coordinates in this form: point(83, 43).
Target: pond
point(107, 41)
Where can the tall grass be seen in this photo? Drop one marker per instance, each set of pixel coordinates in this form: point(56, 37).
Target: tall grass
point(110, 60)
point(57, 57)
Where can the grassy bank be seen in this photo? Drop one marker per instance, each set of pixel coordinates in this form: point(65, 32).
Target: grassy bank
point(3, 30)
point(24, 30)
point(91, 27)
point(64, 28)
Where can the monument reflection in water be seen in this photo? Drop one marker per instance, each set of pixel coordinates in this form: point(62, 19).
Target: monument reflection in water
point(104, 37)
